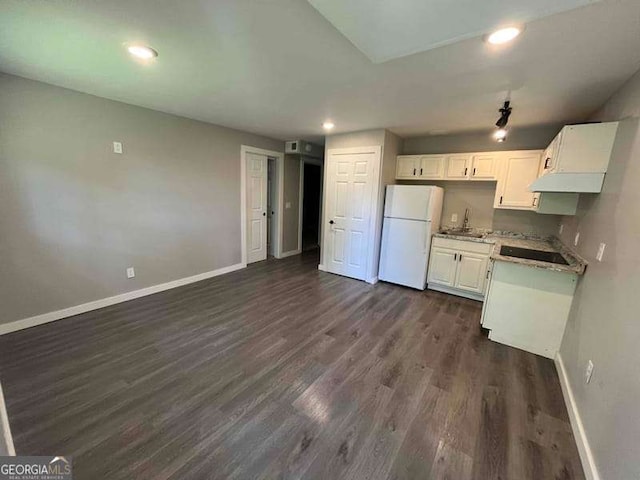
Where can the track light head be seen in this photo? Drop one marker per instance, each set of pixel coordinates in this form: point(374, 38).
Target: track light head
point(505, 111)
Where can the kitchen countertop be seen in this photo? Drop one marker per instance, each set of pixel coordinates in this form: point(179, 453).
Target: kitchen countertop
point(549, 244)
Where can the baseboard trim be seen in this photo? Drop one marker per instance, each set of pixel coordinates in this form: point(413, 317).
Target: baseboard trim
point(290, 253)
point(456, 292)
point(373, 280)
point(522, 346)
point(6, 430)
point(105, 302)
point(584, 449)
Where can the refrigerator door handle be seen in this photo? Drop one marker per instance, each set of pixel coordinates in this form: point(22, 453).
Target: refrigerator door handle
point(427, 229)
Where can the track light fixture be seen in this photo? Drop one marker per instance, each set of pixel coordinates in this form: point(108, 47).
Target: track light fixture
point(505, 111)
point(501, 134)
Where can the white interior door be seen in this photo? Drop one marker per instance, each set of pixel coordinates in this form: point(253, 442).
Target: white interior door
point(348, 212)
point(256, 207)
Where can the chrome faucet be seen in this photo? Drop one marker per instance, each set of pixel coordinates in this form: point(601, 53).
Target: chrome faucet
point(465, 222)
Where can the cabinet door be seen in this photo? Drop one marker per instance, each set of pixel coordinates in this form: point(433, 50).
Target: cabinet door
point(483, 166)
point(407, 166)
point(519, 170)
point(458, 167)
point(442, 266)
point(550, 155)
point(472, 272)
point(431, 167)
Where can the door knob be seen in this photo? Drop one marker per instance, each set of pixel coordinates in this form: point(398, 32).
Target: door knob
point(331, 222)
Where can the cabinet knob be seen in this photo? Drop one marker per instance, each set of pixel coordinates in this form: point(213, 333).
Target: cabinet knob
point(331, 222)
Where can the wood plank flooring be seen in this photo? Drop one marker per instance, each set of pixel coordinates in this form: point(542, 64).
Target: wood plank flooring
point(282, 371)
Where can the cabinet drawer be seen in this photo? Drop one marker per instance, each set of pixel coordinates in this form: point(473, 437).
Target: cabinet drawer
point(474, 247)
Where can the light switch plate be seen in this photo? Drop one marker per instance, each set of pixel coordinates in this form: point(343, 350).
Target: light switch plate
point(287, 205)
point(454, 218)
point(117, 147)
point(131, 272)
point(600, 252)
point(588, 372)
point(577, 239)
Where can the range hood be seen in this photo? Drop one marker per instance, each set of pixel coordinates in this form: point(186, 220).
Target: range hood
point(568, 182)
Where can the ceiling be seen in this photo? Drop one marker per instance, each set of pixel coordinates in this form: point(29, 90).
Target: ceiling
point(387, 30)
point(279, 68)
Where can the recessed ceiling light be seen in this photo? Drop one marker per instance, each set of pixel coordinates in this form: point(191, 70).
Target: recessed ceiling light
point(503, 35)
point(142, 51)
point(328, 125)
point(500, 135)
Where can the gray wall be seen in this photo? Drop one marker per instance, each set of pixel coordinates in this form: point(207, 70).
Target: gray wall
point(520, 138)
point(73, 215)
point(604, 323)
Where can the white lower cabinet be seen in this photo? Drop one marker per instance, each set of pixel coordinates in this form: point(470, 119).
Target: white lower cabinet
point(472, 272)
point(442, 266)
point(459, 267)
point(528, 307)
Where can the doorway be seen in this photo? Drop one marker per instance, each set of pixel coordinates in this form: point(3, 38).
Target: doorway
point(272, 202)
point(261, 203)
point(311, 200)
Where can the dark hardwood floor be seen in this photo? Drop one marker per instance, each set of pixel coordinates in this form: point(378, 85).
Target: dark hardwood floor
point(282, 371)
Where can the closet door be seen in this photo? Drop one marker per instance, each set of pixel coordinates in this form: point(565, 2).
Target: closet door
point(349, 204)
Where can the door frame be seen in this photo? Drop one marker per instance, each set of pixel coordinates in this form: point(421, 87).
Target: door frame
point(319, 163)
point(277, 235)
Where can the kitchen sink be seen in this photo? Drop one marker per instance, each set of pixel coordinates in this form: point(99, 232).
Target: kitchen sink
point(530, 254)
point(463, 233)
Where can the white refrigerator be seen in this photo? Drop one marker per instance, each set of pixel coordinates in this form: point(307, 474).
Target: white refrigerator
point(411, 216)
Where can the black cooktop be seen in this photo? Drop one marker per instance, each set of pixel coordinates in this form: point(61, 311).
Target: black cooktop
point(539, 255)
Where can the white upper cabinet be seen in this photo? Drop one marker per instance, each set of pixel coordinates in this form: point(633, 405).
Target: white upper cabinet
point(577, 159)
point(420, 167)
point(484, 166)
point(518, 170)
point(431, 167)
point(407, 166)
point(582, 148)
point(458, 166)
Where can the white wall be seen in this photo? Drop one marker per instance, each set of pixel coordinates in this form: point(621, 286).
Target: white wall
point(604, 325)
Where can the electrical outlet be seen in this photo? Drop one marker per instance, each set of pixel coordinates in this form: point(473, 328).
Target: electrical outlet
point(454, 218)
point(600, 252)
point(561, 229)
point(588, 372)
point(117, 147)
point(577, 239)
point(131, 272)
